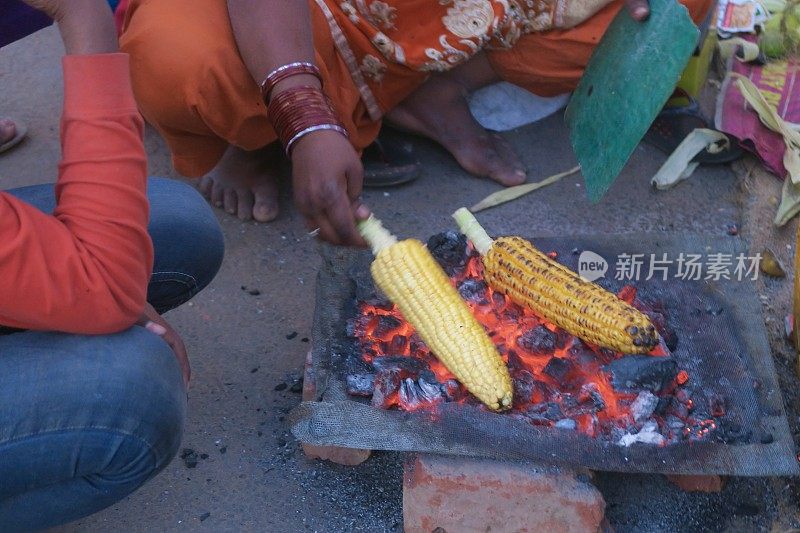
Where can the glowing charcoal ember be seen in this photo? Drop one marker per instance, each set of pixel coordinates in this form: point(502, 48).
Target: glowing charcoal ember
point(386, 324)
point(398, 344)
point(558, 380)
point(387, 384)
point(634, 373)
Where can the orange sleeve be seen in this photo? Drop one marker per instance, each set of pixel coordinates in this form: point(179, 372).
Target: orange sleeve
point(85, 268)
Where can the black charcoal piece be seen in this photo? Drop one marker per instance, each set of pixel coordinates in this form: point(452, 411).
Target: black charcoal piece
point(515, 362)
point(409, 395)
point(473, 290)
point(430, 391)
point(408, 365)
point(538, 340)
point(450, 251)
point(452, 390)
point(386, 324)
point(360, 384)
point(591, 393)
point(558, 368)
point(642, 372)
point(545, 412)
point(524, 384)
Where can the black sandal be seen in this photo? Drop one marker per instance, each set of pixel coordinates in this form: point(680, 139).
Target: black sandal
point(674, 123)
point(389, 161)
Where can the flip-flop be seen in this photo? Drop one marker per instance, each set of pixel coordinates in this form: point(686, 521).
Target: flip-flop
point(674, 123)
point(21, 132)
point(389, 161)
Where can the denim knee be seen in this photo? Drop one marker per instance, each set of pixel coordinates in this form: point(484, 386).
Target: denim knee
point(188, 243)
point(86, 420)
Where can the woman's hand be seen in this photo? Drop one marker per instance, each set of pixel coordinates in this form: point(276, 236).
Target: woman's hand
point(155, 323)
point(86, 26)
point(327, 176)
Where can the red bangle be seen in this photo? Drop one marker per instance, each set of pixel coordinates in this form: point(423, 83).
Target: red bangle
point(285, 71)
point(298, 111)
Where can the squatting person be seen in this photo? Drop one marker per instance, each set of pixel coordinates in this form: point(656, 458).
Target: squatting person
point(92, 379)
point(227, 82)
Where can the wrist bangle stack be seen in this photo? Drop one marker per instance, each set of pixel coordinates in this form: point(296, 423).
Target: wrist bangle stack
point(285, 71)
point(298, 111)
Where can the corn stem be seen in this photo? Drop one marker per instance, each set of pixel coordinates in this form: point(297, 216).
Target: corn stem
point(375, 234)
point(470, 227)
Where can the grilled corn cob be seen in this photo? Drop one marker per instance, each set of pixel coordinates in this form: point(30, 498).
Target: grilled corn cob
point(412, 279)
point(515, 267)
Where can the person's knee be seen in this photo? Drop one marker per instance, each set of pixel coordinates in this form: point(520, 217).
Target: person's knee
point(182, 221)
point(169, 68)
point(149, 399)
point(93, 419)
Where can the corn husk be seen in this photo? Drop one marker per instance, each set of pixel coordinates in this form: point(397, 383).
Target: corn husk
point(512, 193)
point(679, 165)
point(728, 48)
point(790, 195)
point(781, 34)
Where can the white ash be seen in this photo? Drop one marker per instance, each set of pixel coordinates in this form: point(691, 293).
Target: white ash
point(648, 435)
point(643, 406)
point(566, 423)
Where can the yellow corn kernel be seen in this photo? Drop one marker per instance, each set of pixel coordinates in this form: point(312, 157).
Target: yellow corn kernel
point(412, 279)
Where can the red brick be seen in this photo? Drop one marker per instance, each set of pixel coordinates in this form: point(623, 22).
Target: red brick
point(335, 454)
point(691, 483)
point(462, 494)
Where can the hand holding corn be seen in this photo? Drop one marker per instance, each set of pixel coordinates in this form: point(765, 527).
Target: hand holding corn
point(412, 279)
point(515, 267)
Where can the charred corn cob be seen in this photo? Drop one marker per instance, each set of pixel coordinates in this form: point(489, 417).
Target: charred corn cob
point(515, 267)
point(412, 279)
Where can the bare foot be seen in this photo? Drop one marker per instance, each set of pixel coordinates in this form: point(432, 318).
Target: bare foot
point(245, 184)
point(438, 110)
point(7, 130)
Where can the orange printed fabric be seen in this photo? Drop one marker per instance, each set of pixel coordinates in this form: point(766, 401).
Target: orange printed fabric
point(400, 41)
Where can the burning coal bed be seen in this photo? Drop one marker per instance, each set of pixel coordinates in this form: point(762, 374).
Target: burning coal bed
point(559, 381)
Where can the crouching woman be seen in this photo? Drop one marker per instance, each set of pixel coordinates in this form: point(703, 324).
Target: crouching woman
point(92, 379)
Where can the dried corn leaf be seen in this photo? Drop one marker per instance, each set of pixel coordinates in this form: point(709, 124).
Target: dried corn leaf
point(512, 193)
point(770, 118)
point(730, 47)
point(790, 203)
point(679, 165)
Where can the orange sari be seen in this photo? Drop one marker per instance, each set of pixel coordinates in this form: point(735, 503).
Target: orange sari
point(193, 87)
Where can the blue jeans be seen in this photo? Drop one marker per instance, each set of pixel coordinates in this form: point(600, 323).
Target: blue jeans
point(86, 420)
